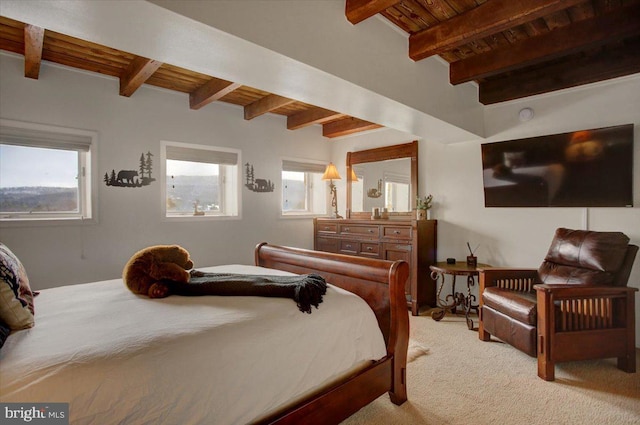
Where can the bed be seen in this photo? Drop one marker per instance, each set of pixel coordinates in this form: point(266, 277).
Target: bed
point(124, 359)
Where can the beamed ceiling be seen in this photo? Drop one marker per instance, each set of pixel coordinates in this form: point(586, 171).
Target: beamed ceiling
point(39, 44)
point(511, 48)
point(517, 48)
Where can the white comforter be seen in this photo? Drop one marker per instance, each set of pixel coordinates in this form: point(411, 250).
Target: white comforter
point(118, 358)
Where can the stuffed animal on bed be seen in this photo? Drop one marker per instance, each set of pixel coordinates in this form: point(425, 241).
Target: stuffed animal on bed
point(149, 271)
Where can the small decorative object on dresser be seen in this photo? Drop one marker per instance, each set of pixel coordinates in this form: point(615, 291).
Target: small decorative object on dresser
point(422, 207)
point(413, 241)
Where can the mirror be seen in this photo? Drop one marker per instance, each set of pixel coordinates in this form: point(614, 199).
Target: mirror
point(384, 177)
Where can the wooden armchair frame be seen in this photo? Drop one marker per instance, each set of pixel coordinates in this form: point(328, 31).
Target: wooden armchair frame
point(585, 322)
point(574, 322)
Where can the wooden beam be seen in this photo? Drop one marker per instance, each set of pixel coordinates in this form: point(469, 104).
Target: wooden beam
point(489, 18)
point(359, 10)
point(33, 42)
point(580, 36)
point(264, 105)
point(311, 116)
point(213, 90)
point(347, 126)
point(574, 71)
point(139, 71)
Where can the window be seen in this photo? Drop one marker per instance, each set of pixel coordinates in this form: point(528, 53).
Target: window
point(45, 172)
point(396, 192)
point(200, 181)
point(357, 191)
point(303, 191)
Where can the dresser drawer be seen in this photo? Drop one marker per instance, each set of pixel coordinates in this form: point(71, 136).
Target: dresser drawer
point(349, 247)
point(326, 244)
point(403, 247)
point(370, 249)
point(360, 248)
point(395, 232)
point(357, 230)
point(327, 228)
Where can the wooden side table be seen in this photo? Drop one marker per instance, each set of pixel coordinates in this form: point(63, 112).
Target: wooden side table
point(455, 299)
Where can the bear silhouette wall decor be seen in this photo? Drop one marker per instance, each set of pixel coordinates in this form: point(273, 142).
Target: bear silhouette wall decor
point(257, 185)
point(132, 178)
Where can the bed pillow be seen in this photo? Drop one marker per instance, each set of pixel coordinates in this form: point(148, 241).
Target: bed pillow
point(16, 297)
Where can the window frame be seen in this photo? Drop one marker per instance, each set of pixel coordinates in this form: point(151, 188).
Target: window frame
point(85, 142)
point(225, 190)
point(307, 166)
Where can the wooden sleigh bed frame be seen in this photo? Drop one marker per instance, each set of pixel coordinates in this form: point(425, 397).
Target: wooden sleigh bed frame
point(381, 284)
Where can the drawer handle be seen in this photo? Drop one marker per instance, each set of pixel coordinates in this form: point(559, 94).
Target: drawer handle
point(369, 248)
point(348, 246)
point(346, 229)
point(327, 228)
point(396, 232)
point(370, 230)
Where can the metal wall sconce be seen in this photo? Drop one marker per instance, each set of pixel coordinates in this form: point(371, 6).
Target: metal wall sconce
point(331, 174)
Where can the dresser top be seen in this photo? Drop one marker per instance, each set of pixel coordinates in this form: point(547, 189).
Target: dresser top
point(390, 221)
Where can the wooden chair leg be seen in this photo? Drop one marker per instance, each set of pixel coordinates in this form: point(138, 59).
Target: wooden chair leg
point(546, 368)
point(628, 363)
point(482, 334)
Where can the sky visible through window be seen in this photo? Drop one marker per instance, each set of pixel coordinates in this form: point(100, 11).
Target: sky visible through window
point(187, 168)
point(32, 167)
point(292, 175)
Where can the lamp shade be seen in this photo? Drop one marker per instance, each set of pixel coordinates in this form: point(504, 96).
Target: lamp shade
point(331, 173)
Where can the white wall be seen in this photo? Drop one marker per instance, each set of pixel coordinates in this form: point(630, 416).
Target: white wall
point(521, 236)
point(129, 218)
point(517, 237)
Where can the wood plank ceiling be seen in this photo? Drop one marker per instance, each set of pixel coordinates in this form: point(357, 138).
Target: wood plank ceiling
point(39, 44)
point(517, 48)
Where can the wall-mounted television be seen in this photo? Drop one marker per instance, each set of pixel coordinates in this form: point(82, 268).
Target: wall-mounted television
point(587, 168)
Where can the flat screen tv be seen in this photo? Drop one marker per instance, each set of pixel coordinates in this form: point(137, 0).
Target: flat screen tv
point(587, 168)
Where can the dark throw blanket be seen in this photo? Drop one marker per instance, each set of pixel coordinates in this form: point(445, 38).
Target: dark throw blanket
point(306, 290)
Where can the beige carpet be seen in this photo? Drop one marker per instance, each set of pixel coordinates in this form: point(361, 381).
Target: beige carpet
point(455, 378)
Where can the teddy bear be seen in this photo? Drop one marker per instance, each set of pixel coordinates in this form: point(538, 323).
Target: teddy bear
point(149, 270)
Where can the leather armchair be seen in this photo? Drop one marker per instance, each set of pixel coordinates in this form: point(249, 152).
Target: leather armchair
point(576, 306)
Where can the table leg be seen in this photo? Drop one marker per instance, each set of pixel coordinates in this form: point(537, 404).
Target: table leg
point(438, 313)
point(451, 301)
point(468, 302)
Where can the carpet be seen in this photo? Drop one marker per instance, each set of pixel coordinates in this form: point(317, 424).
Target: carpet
point(460, 380)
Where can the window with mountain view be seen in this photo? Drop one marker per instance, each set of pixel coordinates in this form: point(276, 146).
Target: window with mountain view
point(200, 181)
point(303, 191)
point(44, 173)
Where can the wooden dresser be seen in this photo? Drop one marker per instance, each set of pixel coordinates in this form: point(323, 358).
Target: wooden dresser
point(414, 241)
